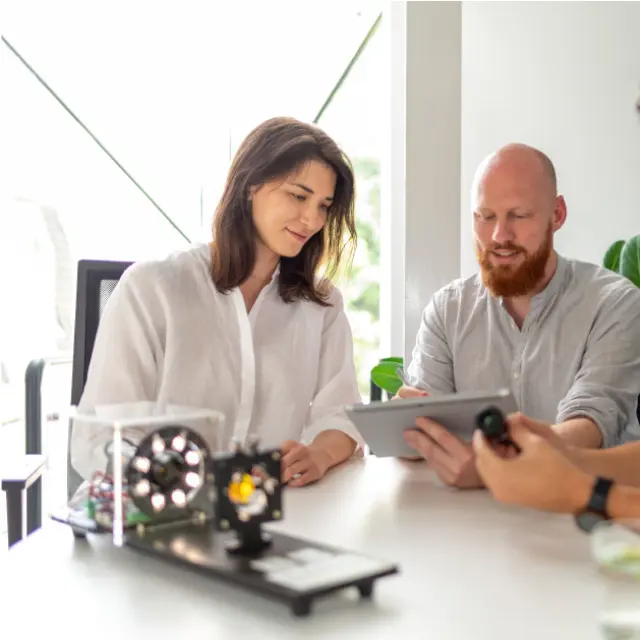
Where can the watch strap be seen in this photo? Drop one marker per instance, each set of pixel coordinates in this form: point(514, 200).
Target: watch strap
point(599, 496)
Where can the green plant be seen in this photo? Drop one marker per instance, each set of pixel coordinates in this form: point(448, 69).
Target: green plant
point(385, 374)
point(623, 257)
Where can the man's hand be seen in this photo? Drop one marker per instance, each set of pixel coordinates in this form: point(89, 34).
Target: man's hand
point(451, 458)
point(541, 476)
point(410, 392)
point(302, 464)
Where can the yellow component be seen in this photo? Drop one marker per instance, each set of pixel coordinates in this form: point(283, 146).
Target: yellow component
point(240, 492)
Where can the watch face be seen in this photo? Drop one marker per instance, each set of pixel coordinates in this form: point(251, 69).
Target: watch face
point(588, 520)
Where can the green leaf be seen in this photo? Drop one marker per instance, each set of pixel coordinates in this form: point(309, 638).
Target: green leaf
point(612, 256)
point(368, 299)
point(395, 359)
point(385, 376)
point(630, 260)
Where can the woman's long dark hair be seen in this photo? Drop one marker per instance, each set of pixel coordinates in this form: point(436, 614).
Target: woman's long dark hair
point(276, 149)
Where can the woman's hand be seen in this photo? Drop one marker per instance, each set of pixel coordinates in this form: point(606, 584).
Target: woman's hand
point(303, 464)
point(541, 476)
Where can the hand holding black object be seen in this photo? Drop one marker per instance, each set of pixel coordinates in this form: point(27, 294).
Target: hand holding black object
point(493, 425)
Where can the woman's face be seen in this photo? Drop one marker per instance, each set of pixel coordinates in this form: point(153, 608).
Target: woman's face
point(288, 213)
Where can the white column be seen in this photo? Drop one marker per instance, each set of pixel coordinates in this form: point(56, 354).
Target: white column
point(421, 178)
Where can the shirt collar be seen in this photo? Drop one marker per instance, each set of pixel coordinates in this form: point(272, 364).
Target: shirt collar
point(555, 285)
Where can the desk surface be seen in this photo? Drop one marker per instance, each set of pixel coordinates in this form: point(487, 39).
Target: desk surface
point(470, 569)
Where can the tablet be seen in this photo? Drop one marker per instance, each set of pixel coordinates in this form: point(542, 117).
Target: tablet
point(382, 424)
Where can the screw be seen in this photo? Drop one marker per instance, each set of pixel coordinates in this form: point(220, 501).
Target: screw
point(276, 514)
point(275, 455)
point(140, 529)
point(224, 524)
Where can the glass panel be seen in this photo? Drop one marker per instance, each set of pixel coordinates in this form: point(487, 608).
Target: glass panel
point(62, 200)
point(171, 90)
point(355, 119)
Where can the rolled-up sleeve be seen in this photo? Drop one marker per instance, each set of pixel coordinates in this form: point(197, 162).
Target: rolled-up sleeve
point(337, 380)
point(607, 385)
point(431, 367)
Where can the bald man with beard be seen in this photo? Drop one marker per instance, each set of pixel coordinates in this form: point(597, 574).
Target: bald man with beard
point(562, 334)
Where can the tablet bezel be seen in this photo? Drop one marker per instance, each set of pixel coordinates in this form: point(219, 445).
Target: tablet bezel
point(382, 424)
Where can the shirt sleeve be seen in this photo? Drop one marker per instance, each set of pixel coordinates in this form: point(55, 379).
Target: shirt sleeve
point(123, 368)
point(431, 367)
point(607, 385)
point(337, 380)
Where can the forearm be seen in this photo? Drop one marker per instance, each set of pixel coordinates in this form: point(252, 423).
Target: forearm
point(621, 464)
point(579, 432)
point(335, 445)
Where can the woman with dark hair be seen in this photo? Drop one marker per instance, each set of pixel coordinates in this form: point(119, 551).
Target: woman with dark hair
point(250, 324)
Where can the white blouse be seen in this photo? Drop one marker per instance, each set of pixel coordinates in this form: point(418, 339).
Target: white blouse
point(281, 372)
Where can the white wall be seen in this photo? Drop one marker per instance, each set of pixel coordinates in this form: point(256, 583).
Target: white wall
point(423, 165)
point(563, 76)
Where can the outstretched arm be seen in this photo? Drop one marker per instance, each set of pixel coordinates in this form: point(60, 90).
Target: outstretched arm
point(542, 476)
point(621, 464)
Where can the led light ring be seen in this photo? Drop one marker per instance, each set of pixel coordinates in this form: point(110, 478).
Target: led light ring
point(179, 453)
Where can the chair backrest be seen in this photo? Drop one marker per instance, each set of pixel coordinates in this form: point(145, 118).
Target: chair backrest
point(375, 392)
point(95, 283)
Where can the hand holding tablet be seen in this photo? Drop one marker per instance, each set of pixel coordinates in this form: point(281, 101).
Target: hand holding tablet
point(382, 424)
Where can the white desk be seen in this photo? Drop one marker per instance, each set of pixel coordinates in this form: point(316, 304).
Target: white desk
point(471, 569)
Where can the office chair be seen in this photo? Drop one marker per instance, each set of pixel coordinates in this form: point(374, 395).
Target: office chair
point(95, 283)
point(375, 392)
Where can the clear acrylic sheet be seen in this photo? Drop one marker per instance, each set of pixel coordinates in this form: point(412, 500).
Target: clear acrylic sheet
point(150, 460)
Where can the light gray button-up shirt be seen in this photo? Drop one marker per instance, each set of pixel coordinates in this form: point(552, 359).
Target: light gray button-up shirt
point(577, 355)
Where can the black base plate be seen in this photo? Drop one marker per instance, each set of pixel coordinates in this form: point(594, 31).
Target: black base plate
point(289, 570)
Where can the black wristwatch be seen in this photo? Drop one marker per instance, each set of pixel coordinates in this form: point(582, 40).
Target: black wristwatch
point(596, 509)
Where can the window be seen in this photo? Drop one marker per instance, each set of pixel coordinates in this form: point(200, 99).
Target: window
point(355, 118)
point(117, 134)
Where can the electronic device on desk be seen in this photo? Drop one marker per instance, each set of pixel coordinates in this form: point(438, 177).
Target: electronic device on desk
point(382, 424)
point(206, 512)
